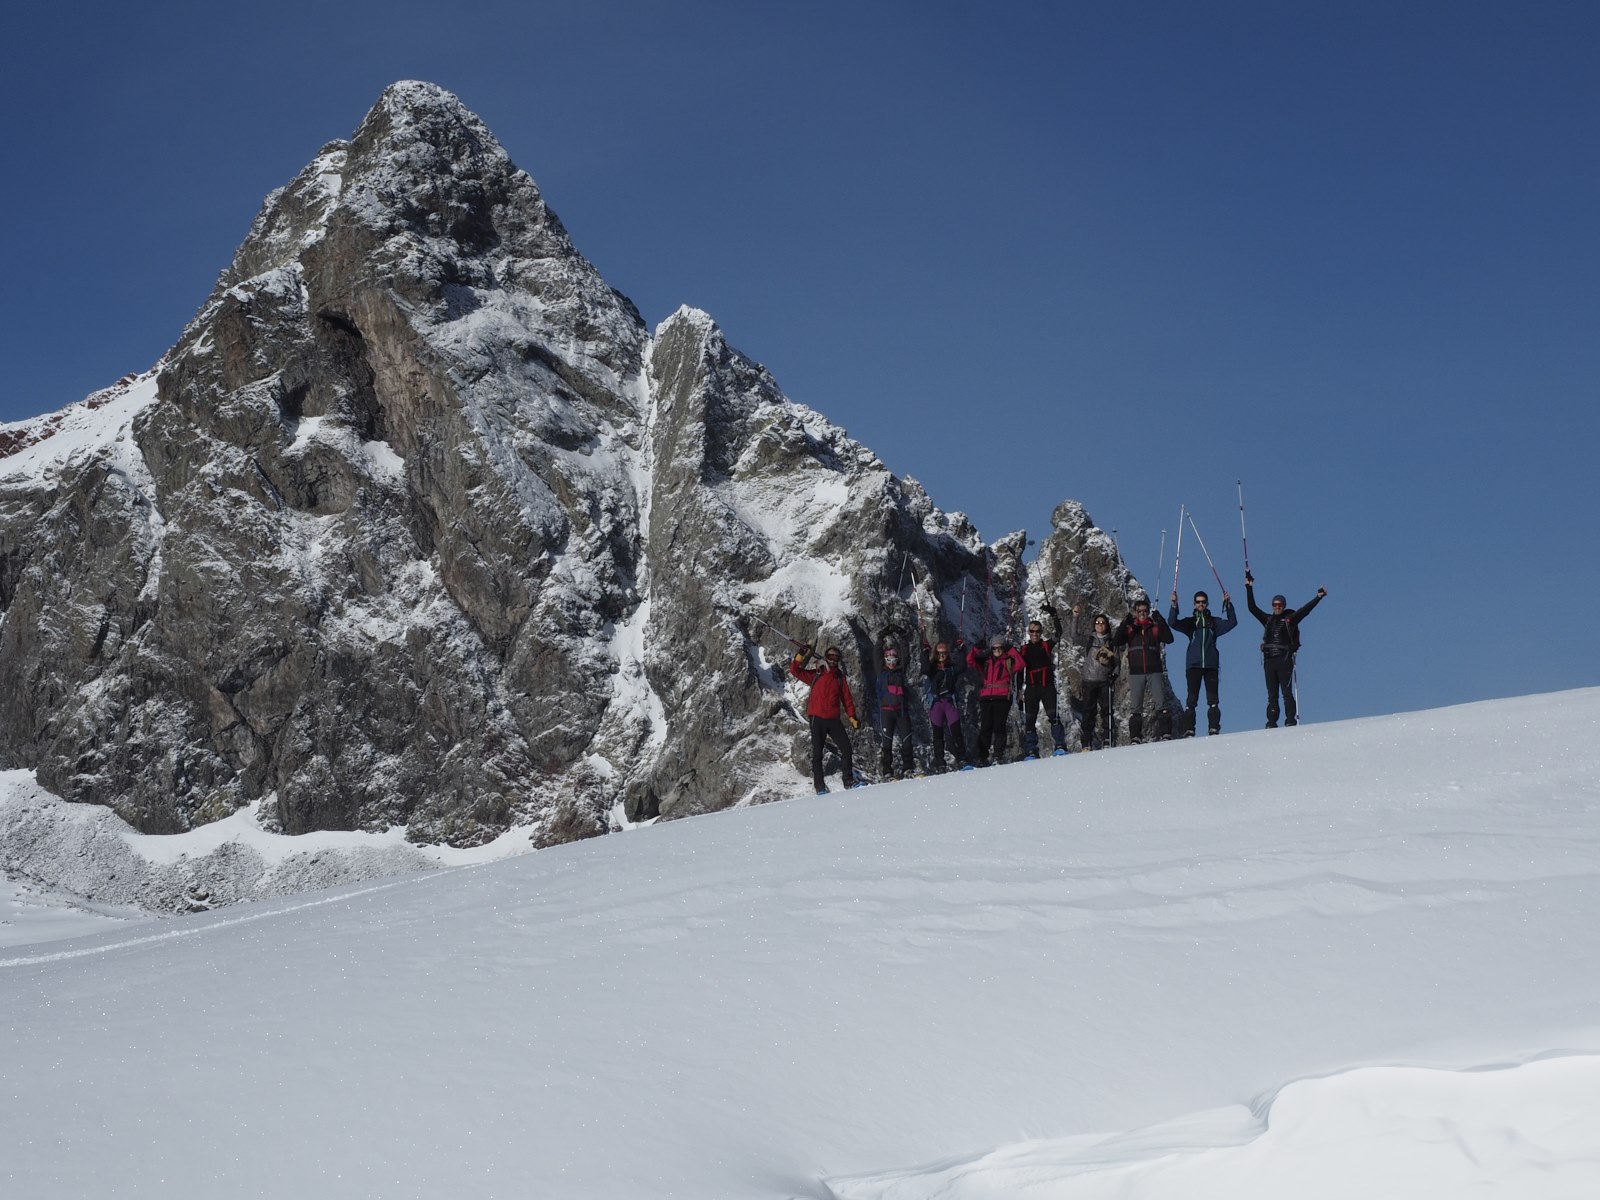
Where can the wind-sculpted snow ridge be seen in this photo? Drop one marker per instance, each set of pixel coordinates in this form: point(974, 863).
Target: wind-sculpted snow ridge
point(1528, 1130)
point(418, 526)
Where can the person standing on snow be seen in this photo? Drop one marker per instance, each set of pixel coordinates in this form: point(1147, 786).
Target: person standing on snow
point(894, 716)
point(827, 710)
point(1280, 642)
point(942, 674)
point(994, 696)
point(1039, 685)
point(1143, 633)
point(1095, 680)
point(1200, 664)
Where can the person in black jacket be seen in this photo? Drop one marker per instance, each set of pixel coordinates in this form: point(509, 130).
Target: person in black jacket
point(942, 674)
point(1039, 685)
point(1144, 633)
point(1280, 640)
point(1200, 664)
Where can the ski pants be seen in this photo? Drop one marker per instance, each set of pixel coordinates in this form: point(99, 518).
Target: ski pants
point(1096, 712)
point(993, 713)
point(944, 715)
point(1208, 676)
point(1280, 681)
point(1139, 687)
point(1033, 699)
point(894, 726)
point(831, 729)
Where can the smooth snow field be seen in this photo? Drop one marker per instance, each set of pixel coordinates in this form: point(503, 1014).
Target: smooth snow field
point(1352, 960)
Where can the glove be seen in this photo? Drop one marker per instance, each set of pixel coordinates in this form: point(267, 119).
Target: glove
point(854, 724)
point(1049, 608)
point(1250, 579)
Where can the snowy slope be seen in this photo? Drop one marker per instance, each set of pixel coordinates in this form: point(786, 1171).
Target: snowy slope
point(1352, 959)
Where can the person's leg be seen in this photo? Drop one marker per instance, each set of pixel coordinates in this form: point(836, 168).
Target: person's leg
point(1052, 711)
point(818, 733)
point(1030, 721)
point(1137, 686)
point(1291, 706)
point(841, 739)
point(1270, 666)
point(1213, 712)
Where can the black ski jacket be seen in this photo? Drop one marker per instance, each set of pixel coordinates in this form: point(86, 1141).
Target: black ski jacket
point(1039, 660)
point(1280, 632)
point(1144, 640)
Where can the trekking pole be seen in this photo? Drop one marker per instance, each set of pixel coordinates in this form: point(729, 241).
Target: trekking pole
point(1242, 538)
point(900, 587)
point(1177, 557)
point(796, 642)
point(1207, 553)
point(1161, 559)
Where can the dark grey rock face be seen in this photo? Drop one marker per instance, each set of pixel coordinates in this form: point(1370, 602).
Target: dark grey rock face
point(423, 527)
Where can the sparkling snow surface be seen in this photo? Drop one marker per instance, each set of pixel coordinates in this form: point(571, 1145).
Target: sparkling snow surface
point(1329, 962)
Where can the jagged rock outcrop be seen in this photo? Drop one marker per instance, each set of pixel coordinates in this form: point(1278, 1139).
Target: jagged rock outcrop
point(418, 524)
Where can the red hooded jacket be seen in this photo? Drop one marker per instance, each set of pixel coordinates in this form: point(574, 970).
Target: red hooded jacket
point(830, 690)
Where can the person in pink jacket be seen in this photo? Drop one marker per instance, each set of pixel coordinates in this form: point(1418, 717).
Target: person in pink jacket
point(995, 670)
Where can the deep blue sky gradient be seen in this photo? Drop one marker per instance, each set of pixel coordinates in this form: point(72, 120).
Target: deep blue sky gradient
point(1122, 253)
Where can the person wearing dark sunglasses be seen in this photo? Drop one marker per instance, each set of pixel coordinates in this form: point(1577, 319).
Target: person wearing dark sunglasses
point(1280, 642)
point(829, 706)
point(1201, 663)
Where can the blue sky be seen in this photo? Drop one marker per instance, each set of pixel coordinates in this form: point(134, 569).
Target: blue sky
point(1121, 253)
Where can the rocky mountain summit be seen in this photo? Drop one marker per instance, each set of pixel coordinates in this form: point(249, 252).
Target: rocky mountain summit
point(419, 524)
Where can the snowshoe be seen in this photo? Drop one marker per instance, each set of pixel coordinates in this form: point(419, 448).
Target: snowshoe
point(967, 767)
point(1059, 752)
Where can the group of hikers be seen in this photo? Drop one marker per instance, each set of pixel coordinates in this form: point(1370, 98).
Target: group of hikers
point(1003, 675)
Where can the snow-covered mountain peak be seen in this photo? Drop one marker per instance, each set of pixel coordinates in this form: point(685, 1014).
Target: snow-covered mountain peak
point(426, 530)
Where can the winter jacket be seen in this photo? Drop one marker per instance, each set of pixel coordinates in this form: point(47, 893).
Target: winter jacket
point(995, 672)
point(1280, 632)
point(1094, 671)
point(940, 683)
point(830, 690)
point(1144, 640)
point(891, 690)
point(1203, 629)
point(1038, 659)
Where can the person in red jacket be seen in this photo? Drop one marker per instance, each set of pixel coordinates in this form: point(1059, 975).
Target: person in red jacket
point(994, 696)
point(830, 705)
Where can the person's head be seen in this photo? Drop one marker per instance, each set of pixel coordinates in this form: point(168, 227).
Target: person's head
point(941, 652)
point(891, 657)
point(1102, 623)
point(1141, 609)
point(1201, 600)
point(1035, 631)
point(834, 656)
point(1279, 602)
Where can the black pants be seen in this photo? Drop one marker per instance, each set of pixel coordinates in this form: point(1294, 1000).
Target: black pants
point(993, 713)
point(1280, 680)
point(896, 727)
point(1096, 712)
point(831, 728)
point(1033, 699)
point(1197, 676)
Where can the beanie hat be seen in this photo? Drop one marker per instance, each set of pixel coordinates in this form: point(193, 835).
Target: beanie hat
point(1280, 599)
